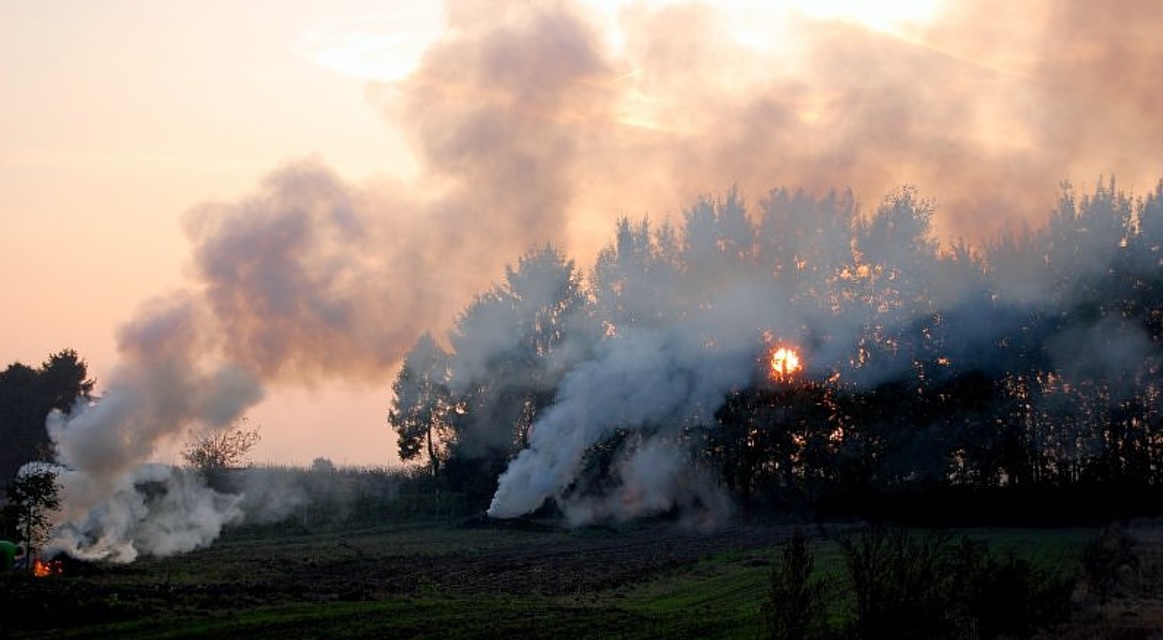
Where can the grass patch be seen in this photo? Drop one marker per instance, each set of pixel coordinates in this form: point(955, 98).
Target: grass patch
point(419, 618)
point(291, 584)
point(716, 599)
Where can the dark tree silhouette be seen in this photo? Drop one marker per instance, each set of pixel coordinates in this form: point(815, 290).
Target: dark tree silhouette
point(1031, 364)
point(510, 349)
point(27, 396)
point(32, 496)
point(422, 404)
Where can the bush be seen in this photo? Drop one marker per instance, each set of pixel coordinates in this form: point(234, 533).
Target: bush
point(900, 584)
point(795, 608)
point(931, 587)
point(1106, 559)
point(1006, 596)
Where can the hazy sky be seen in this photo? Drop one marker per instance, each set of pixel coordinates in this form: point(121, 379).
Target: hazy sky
point(520, 122)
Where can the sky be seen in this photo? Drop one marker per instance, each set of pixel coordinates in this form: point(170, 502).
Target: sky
point(157, 156)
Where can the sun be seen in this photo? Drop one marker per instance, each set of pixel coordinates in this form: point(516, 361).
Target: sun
point(784, 363)
point(893, 17)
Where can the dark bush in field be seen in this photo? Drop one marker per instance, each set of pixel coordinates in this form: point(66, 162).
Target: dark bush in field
point(899, 584)
point(1107, 560)
point(795, 606)
point(908, 586)
point(1003, 596)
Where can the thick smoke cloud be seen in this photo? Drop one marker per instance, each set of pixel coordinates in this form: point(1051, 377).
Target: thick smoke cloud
point(152, 509)
point(987, 108)
point(305, 281)
point(494, 110)
point(653, 381)
point(290, 287)
point(531, 126)
point(313, 279)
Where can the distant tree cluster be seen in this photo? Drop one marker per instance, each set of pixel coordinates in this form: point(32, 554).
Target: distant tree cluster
point(27, 396)
point(1031, 361)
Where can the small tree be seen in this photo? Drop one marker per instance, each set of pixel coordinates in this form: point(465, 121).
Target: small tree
point(213, 452)
point(422, 404)
point(795, 608)
point(33, 495)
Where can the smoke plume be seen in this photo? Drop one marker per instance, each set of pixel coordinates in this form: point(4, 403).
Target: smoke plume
point(531, 125)
point(653, 381)
point(313, 279)
point(986, 107)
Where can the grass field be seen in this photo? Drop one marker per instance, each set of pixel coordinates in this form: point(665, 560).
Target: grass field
point(464, 579)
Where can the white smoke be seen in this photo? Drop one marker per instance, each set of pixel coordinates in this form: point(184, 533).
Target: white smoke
point(154, 509)
point(656, 477)
point(114, 504)
point(521, 116)
point(652, 379)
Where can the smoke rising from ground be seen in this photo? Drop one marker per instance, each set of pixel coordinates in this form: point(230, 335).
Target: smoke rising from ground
point(532, 126)
point(650, 381)
point(313, 279)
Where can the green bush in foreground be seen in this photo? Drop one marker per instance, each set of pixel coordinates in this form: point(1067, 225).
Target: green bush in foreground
point(795, 607)
point(902, 585)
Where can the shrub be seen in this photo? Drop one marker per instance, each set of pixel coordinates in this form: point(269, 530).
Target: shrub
point(899, 583)
point(931, 587)
point(1006, 596)
point(795, 605)
point(1106, 558)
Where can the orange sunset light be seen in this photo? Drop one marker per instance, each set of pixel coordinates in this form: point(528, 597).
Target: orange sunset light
point(784, 362)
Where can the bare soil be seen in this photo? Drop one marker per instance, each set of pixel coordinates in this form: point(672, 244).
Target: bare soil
point(559, 565)
point(478, 556)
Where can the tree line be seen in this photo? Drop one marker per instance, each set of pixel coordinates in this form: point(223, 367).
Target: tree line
point(1027, 365)
point(27, 396)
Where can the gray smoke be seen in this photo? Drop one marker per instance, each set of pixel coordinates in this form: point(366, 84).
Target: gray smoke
point(530, 128)
point(657, 379)
point(657, 476)
point(313, 279)
point(153, 509)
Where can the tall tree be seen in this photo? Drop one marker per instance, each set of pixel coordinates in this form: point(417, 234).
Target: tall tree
point(511, 347)
point(27, 396)
point(64, 380)
point(422, 404)
point(629, 279)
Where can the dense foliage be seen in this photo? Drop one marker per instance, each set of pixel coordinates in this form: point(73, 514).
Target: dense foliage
point(1029, 366)
point(30, 499)
point(27, 395)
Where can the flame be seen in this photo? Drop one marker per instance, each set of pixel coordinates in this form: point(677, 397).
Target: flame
point(784, 362)
point(42, 569)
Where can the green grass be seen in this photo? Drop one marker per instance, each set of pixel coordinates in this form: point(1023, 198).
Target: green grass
point(410, 617)
point(719, 597)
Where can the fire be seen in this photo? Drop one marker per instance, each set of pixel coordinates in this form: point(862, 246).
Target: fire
point(42, 569)
point(784, 362)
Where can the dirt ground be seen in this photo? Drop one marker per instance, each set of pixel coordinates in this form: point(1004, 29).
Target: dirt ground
point(578, 564)
point(475, 556)
point(1133, 610)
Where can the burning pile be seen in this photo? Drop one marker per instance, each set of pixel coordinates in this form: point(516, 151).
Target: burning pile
point(46, 568)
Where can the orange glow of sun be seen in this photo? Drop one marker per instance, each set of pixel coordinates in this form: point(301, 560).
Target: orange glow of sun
point(784, 363)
